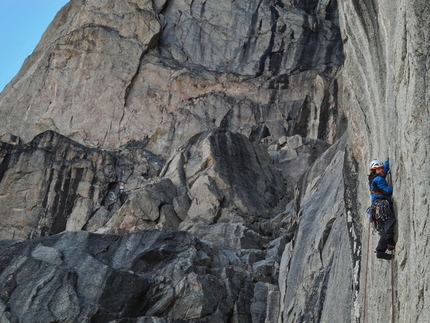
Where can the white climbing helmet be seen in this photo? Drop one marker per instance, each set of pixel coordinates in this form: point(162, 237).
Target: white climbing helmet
point(374, 164)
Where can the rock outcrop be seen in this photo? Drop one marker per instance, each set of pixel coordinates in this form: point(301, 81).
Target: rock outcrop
point(166, 70)
point(185, 161)
point(54, 184)
point(229, 255)
point(84, 277)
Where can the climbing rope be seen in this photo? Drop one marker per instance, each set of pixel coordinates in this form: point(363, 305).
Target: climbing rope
point(393, 296)
point(367, 271)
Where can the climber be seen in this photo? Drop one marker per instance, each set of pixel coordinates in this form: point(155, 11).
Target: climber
point(379, 193)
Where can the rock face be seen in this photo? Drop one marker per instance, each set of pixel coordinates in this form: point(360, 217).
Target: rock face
point(232, 255)
point(166, 71)
point(224, 197)
point(86, 55)
point(317, 265)
point(54, 184)
point(186, 161)
point(386, 100)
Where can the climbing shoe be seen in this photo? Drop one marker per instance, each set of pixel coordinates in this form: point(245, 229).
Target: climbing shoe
point(391, 244)
point(383, 255)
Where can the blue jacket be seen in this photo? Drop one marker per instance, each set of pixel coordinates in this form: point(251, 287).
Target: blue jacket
point(378, 185)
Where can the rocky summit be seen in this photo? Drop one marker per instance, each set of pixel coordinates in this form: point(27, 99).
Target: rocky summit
point(192, 161)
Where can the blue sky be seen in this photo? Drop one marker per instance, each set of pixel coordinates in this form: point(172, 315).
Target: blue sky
point(22, 23)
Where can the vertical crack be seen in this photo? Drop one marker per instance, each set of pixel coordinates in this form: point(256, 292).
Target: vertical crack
point(127, 92)
point(130, 86)
point(263, 59)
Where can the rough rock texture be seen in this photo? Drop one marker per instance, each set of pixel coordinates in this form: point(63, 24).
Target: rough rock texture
point(225, 191)
point(54, 184)
point(166, 71)
point(232, 264)
point(82, 67)
point(386, 97)
point(171, 161)
point(84, 277)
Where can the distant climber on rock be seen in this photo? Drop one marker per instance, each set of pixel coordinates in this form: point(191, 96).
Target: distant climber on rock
point(382, 207)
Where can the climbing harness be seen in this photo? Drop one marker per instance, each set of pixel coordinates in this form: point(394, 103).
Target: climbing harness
point(378, 212)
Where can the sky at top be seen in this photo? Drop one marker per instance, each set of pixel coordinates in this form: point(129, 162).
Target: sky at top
point(22, 23)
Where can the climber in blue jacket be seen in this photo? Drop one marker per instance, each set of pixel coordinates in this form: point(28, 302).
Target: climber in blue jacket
point(379, 190)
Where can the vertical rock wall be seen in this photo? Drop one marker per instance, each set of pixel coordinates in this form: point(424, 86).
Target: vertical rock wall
point(317, 279)
point(386, 97)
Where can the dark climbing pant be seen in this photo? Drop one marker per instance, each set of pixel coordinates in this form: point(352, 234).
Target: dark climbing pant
point(386, 234)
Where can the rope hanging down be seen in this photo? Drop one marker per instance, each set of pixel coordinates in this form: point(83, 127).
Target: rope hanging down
point(367, 271)
point(393, 296)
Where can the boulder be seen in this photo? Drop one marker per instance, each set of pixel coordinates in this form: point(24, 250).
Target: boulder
point(224, 171)
point(147, 208)
point(103, 277)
